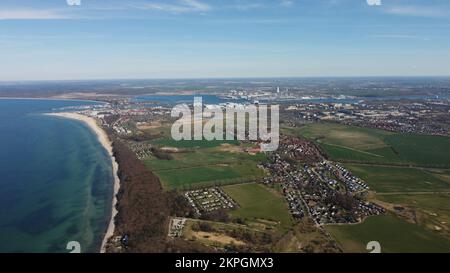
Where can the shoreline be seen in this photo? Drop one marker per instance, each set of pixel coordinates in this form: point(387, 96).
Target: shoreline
point(107, 145)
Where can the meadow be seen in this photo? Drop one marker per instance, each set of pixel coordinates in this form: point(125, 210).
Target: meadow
point(385, 179)
point(220, 235)
point(432, 210)
point(169, 142)
point(202, 157)
point(356, 144)
point(422, 150)
point(205, 176)
point(257, 202)
point(393, 233)
point(205, 163)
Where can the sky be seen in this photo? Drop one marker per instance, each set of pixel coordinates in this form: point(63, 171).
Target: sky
point(145, 39)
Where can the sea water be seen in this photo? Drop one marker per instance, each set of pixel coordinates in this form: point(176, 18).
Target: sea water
point(56, 180)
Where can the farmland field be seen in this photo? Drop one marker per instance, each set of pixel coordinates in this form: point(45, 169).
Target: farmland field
point(394, 235)
point(210, 165)
point(259, 202)
point(398, 179)
point(346, 136)
point(202, 157)
point(421, 149)
point(209, 175)
point(169, 142)
point(355, 144)
point(432, 210)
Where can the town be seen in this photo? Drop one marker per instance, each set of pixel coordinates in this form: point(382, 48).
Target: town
point(319, 189)
point(323, 190)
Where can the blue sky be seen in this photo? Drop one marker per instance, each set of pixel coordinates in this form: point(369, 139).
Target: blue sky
point(107, 39)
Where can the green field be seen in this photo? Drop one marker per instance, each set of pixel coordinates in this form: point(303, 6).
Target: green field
point(421, 149)
point(209, 175)
point(202, 157)
point(399, 179)
point(346, 136)
point(259, 202)
point(169, 142)
point(432, 210)
point(394, 235)
point(355, 144)
point(209, 165)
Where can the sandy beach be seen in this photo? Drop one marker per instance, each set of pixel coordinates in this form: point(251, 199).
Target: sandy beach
point(106, 143)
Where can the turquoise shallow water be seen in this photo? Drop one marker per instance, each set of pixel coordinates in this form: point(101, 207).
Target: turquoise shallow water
point(55, 180)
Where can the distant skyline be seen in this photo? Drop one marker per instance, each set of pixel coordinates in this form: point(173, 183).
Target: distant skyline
point(161, 39)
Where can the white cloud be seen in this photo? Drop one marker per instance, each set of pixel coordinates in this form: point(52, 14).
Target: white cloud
point(30, 14)
point(249, 6)
point(400, 36)
point(197, 5)
point(180, 6)
point(421, 11)
point(287, 3)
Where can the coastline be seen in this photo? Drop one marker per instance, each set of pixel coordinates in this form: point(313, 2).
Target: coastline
point(107, 145)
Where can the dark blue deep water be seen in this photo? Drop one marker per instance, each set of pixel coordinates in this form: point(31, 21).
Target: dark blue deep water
point(55, 180)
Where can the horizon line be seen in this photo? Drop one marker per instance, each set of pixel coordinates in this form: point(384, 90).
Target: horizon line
point(223, 78)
